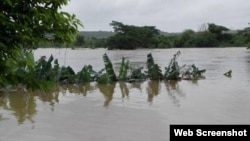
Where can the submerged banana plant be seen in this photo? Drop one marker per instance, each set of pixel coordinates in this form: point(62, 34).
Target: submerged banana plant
point(110, 75)
point(172, 72)
point(109, 68)
point(150, 61)
point(84, 75)
point(67, 75)
point(154, 72)
point(43, 68)
point(123, 70)
point(104, 79)
point(137, 75)
point(193, 73)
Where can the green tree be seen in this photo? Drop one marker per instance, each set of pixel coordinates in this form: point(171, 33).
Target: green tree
point(131, 37)
point(186, 39)
point(94, 42)
point(206, 39)
point(218, 31)
point(23, 25)
point(163, 41)
point(246, 34)
point(79, 40)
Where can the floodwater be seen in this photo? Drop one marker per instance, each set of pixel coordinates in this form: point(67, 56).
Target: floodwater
point(130, 111)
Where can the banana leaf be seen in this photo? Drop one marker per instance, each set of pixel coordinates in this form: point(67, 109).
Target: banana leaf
point(150, 61)
point(84, 75)
point(43, 68)
point(109, 68)
point(137, 75)
point(104, 79)
point(123, 70)
point(67, 75)
point(87, 74)
point(172, 72)
point(154, 72)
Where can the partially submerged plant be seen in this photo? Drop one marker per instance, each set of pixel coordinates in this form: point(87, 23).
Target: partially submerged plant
point(137, 75)
point(109, 68)
point(154, 72)
point(109, 76)
point(43, 68)
point(150, 60)
point(104, 79)
point(123, 70)
point(228, 74)
point(172, 72)
point(67, 75)
point(85, 75)
point(193, 73)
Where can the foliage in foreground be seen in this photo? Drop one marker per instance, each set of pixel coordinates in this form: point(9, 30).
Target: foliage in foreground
point(24, 25)
point(46, 72)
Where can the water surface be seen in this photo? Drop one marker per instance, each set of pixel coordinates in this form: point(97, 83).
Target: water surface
point(130, 111)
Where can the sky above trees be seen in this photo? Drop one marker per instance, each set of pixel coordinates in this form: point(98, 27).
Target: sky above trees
point(166, 15)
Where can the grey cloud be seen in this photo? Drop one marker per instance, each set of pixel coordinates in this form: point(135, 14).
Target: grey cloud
point(166, 15)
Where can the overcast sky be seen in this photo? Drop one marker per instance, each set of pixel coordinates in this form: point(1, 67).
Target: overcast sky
point(166, 15)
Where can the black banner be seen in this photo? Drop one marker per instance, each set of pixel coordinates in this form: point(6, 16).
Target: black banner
point(214, 132)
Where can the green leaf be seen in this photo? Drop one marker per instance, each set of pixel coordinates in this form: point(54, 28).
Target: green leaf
point(30, 59)
point(154, 71)
point(123, 69)
point(172, 72)
point(109, 68)
point(137, 75)
point(8, 2)
point(104, 79)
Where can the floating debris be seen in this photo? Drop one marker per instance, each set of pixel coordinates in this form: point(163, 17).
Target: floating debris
point(228, 74)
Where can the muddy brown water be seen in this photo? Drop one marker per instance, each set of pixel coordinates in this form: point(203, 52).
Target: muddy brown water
point(130, 111)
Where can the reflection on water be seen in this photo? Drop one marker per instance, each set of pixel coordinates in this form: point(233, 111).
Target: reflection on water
point(153, 90)
point(124, 89)
point(136, 85)
point(81, 89)
point(174, 91)
point(23, 105)
point(51, 97)
point(107, 91)
point(1, 117)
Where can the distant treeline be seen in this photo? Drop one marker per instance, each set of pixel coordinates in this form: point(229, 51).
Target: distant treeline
point(133, 37)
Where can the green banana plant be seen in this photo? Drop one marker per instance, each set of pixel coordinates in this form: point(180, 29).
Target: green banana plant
point(109, 69)
point(154, 72)
point(172, 72)
point(67, 75)
point(137, 75)
point(43, 68)
point(123, 70)
point(86, 75)
point(193, 73)
point(150, 61)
